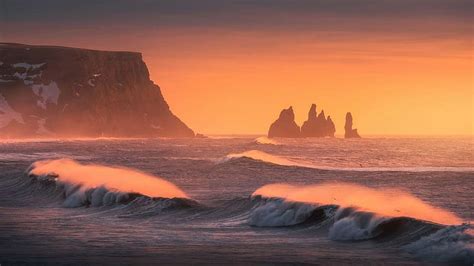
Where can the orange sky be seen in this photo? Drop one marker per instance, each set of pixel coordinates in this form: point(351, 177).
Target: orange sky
point(239, 84)
point(402, 67)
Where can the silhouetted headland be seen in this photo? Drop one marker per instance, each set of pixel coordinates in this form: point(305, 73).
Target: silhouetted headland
point(71, 92)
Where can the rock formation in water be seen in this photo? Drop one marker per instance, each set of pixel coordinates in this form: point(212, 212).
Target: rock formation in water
point(349, 132)
point(285, 126)
point(317, 125)
point(69, 92)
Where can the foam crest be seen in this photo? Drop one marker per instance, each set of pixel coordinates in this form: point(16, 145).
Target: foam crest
point(384, 202)
point(281, 160)
point(266, 141)
point(453, 244)
point(101, 185)
point(280, 213)
point(351, 224)
point(265, 157)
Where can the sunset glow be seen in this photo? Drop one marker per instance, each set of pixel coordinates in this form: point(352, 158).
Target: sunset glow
point(409, 74)
point(384, 202)
point(247, 132)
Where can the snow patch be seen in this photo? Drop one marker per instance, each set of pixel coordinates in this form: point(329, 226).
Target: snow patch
point(27, 79)
point(7, 114)
point(28, 66)
point(48, 93)
point(42, 130)
point(21, 76)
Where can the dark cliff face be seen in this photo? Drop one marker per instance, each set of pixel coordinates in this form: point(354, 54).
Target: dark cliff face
point(66, 92)
point(285, 126)
point(349, 132)
point(317, 125)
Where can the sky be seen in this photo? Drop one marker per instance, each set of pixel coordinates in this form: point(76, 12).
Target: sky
point(402, 67)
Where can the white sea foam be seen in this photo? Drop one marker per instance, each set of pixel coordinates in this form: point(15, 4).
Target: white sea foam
point(288, 161)
point(386, 202)
point(264, 157)
point(453, 244)
point(100, 185)
point(280, 213)
point(266, 141)
point(350, 224)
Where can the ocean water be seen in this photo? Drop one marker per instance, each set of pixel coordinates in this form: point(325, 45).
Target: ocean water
point(239, 200)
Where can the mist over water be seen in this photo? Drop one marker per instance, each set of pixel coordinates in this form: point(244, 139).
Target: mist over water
point(89, 176)
point(382, 201)
point(237, 200)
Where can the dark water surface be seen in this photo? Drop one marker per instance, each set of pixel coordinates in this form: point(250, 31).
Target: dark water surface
point(221, 222)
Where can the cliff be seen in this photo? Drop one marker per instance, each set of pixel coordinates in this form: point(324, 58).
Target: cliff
point(318, 125)
point(68, 92)
point(349, 131)
point(285, 126)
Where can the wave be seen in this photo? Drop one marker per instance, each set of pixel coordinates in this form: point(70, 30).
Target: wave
point(279, 213)
point(264, 157)
point(98, 185)
point(266, 141)
point(354, 224)
point(453, 244)
point(356, 213)
point(387, 202)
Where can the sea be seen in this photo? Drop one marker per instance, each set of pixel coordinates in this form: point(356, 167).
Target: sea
point(237, 200)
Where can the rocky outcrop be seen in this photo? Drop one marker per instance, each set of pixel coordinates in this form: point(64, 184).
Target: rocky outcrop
point(317, 125)
point(349, 132)
point(68, 92)
point(285, 126)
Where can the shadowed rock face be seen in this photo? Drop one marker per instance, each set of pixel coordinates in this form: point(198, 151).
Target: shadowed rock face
point(68, 92)
point(349, 132)
point(317, 125)
point(285, 126)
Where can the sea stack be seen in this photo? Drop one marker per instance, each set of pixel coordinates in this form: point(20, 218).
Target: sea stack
point(317, 125)
point(71, 92)
point(285, 126)
point(349, 132)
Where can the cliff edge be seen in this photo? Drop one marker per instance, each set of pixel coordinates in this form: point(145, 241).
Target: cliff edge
point(72, 92)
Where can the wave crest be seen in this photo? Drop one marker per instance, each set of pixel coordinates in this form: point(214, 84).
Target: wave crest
point(384, 202)
point(266, 141)
point(278, 212)
point(263, 157)
point(453, 244)
point(98, 185)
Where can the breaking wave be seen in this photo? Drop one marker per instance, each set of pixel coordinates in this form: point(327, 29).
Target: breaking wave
point(385, 202)
point(266, 141)
point(264, 157)
point(278, 212)
point(353, 224)
point(98, 185)
point(356, 213)
point(453, 244)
